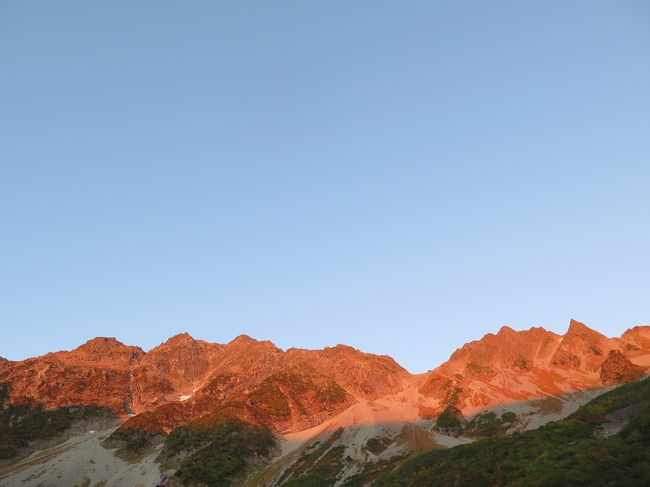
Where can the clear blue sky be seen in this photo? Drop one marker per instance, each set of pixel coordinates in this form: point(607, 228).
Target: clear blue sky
point(401, 177)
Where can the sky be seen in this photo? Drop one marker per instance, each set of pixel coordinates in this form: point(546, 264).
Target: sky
point(401, 177)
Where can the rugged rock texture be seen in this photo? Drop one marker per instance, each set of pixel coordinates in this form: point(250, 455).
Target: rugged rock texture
point(172, 370)
point(582, 348)
point(617, 369)
point(183, 379)
point(637, 340)
point(53, 384)
point(520, 365)
point(364, 375)
point(100, 352)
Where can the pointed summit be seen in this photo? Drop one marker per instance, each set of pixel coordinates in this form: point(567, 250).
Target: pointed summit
point(505, 330)
point(180, 339)
point(573, 323)
point(578, 328)
point(180, 343)
point(582, 348)
point(242, 339)
point(103, 350)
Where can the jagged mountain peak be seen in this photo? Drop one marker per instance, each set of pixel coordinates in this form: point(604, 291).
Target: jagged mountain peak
point(503, 348)
point(180, 343)
point(583, 348)
point(505, 330)
point(192, 377)
point(102, 343)
point(180, 338)
point(107, 350)
point(579, 328)
point(244, 341)
point(514, 365)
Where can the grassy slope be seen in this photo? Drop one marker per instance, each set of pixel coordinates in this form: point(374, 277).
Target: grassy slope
point(23, 426)
point(567, 452)
point(217, 455)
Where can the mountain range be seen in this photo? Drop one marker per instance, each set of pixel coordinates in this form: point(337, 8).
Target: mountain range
point(302, 400)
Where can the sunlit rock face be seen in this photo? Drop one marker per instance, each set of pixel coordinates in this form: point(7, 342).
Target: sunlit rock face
point(519, 365)
point(618, 369)
point(184, 379)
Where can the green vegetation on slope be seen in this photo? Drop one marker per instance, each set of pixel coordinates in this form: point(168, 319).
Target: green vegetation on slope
point(450, 422)
point(218, 455)
point(567, 452)
point(317, 465)
point(133, 444)
point(489, 424)
point(377, 445)
point(21, 426)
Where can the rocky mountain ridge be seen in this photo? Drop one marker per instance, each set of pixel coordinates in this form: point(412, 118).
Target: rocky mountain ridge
point(290, 391)
point(520, 365)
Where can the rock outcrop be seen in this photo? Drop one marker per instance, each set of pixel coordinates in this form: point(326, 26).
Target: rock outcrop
point(618, 369)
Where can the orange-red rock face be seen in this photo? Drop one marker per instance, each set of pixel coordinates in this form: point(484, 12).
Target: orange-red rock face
point(520, 365)
point(618, 369)
point(639, 335)
point(173, 369)
point(184, 379)
point(364, 375)
point(582, 348)
point(98, 372)
point(100, 352)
